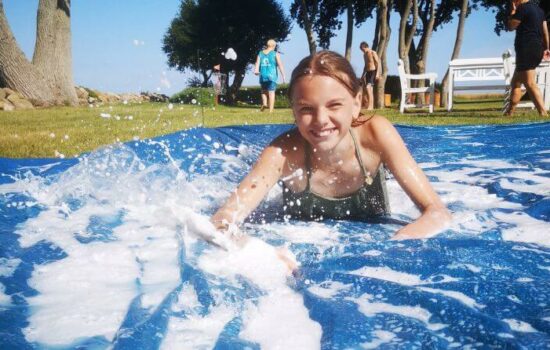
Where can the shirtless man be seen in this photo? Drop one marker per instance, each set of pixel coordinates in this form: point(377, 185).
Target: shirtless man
point(371, 74)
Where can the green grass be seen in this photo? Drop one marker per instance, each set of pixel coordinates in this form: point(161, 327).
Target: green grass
point(73, 130)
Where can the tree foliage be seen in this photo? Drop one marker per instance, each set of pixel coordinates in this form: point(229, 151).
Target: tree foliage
point(501, 9)
point(204, 29)
point(326, 16)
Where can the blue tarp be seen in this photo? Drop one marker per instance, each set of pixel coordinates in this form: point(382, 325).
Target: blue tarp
point(483, 283)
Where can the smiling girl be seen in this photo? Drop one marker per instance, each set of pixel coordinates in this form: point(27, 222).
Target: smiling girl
point(331, 165)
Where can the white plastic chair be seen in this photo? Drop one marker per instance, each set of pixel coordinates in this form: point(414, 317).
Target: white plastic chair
point(406, 88)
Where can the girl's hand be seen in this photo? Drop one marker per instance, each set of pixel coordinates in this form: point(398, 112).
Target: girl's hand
point(404, 236)
point(288, 258)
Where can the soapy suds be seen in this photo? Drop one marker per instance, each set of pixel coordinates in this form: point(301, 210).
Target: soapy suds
point(128, 230)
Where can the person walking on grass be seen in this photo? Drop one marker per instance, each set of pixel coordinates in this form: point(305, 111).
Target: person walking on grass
point(531, 45)
point(267, 63)
point(371, 74)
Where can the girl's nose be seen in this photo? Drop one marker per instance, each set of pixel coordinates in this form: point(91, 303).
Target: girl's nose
point(321, 116)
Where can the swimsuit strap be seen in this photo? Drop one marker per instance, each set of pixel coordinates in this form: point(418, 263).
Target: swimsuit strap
point(358, 155)
point(307, 165)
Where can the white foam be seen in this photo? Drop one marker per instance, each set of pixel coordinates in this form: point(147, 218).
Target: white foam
point(470, 267)
point(281, 321)
point(525, 280)
point(519, 326)
point(380, 337)
point(8, 266)
point(314, 233)
point(514, 298)
point(257, 261)
point(196, 331)
point(524, 229)
point(5, 300)
point(387, 274)
point(463, 298)
point(88, 292)
point(371, 308)
point(82, 295)
point(329, 289)
point(372, 252)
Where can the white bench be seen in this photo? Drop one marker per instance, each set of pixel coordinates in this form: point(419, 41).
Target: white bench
point(406, 88)
point(488, 74)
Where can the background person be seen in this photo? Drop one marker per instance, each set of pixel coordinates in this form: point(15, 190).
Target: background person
point(371, 74)
point(531, 45)
point(267, 63)
point(331, 164)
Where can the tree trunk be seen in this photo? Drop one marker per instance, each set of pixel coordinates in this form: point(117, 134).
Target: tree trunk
point(381, 41)
point(376, 38)
point(235, 86)
point(308, 27)
point(48, 79)
point(52, 52)
point(16, 72)
point(456, 50)
point(406, 30)
point(205, 78)
point(349, 34)
point(421, 54)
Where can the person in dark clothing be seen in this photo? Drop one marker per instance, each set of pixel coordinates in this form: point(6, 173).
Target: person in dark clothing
point(531, 45)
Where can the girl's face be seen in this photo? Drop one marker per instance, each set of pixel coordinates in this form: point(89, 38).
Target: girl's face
point(323, 109)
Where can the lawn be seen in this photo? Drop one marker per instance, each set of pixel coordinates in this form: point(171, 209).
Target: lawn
point(70, 131)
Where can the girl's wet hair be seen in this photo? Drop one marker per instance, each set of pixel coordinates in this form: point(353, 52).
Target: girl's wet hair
point(329, 64)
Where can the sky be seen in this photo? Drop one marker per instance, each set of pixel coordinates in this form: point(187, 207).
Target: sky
point(117, 45)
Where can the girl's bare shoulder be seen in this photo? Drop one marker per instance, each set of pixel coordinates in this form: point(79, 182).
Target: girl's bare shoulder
point(288, 139)
point(374, 129)
point(291, 146)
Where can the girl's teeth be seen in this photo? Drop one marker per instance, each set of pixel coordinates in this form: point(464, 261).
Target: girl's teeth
point(324, 133)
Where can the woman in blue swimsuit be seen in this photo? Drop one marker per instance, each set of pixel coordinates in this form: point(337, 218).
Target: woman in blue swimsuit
point(331, 164)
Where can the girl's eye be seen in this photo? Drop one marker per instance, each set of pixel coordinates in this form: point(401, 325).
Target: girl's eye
point(335, 105)
point(306, 110)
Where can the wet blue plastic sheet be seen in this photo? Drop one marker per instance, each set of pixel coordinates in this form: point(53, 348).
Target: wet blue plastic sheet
point(483, 283)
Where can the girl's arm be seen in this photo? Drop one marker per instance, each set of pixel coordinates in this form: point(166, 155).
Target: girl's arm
point(257, 65)
point(252, 189)
point(512, 23)
point(280, 65)
point(411, 178)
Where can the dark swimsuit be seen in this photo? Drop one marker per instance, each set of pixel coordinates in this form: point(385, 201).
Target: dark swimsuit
point(369, 201)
